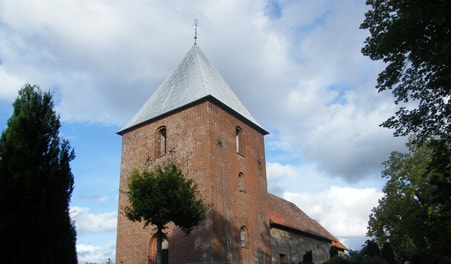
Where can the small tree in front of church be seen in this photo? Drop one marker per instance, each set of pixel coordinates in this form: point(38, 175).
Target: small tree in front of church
point(163, 195)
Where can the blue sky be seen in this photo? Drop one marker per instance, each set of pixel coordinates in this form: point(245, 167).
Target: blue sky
point(296, 66)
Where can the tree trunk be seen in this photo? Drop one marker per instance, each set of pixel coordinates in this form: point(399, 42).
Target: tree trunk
point(159, 244)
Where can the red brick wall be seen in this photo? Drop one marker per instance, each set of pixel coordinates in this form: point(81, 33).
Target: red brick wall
point(202, 140)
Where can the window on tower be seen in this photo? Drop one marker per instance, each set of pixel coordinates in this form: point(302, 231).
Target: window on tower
point(239, 140)
point(161, 141)
point(243, 236)
point(241, 182)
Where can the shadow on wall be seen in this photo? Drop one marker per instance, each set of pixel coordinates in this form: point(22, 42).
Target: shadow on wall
point(216, 240)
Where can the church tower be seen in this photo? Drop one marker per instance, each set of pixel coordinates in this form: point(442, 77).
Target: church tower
point(195, 118)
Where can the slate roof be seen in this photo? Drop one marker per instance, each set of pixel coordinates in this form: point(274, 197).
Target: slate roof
point(286, 214)
point(194, 80)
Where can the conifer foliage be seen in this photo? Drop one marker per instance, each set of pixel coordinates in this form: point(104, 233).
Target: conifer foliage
point(36, 184)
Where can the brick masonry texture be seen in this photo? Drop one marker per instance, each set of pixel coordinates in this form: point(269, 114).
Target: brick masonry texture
point(202, 140)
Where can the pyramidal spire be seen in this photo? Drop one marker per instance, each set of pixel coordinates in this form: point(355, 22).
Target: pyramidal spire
point(193, 80)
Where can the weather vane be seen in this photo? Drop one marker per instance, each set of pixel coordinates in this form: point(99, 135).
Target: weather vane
point(196, 23)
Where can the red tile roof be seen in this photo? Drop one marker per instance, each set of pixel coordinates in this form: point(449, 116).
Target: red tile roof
point(287, 214)
point(335, 242)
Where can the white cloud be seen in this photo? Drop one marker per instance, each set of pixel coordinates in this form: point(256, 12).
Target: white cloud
point(300, 73)
point(95, 254)
point(10, 85)
point(330, 116)
point(276, 170)
point(85, 221)
point(343, 211)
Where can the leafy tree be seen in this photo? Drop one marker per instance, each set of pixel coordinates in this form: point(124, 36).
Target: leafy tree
point(356, 257)
point(36, 184)
point(413, 38)
point(164, 195)
point(407, 215)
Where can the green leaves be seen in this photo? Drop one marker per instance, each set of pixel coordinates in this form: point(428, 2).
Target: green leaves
point(413, 38)
point(164, 195)
point(409, 216)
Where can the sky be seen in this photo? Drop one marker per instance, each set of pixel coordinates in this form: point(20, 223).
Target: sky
point(295, 64)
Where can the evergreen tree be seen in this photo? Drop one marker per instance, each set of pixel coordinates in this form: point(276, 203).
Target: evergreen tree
point(371, 249)
point(387, 253)
point(333, 251)
point(36, 184)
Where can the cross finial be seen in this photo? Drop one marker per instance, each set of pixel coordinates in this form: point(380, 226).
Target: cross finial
point(196, 23)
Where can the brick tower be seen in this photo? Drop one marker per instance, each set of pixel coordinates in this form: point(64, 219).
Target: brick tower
point(196, 119)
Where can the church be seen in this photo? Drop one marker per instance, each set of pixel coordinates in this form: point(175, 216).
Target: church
point(196, 119)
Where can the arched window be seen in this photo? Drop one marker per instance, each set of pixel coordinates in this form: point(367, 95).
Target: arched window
point(152, 255)
point(260, 257)
point(243, 236)
point(241, 182)
point(239, 140)
point(160, 144)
